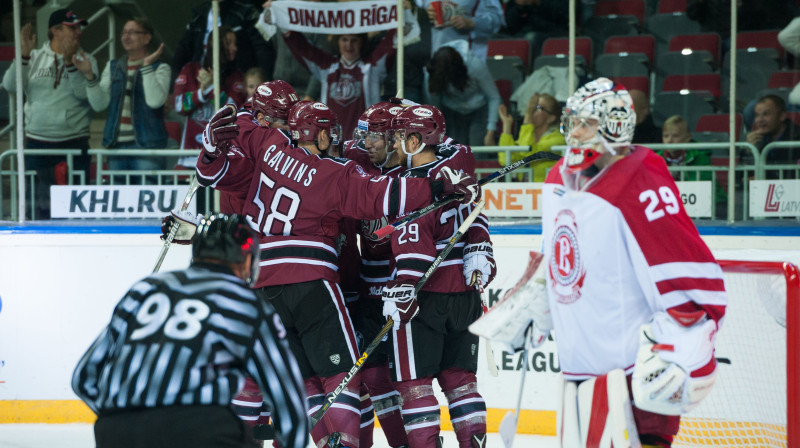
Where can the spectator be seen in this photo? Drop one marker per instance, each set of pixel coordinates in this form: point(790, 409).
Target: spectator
point(134, 88)
point(772, 125)
point(539, 130)
point(537, 20)
point(194, 92)
point(473, 21)
point(57, 112)
point(676, 130)
point(237, 15)
point(789, 38)
point(459, 83)
point(350, 79)
point(646, 131)
point(252, 78)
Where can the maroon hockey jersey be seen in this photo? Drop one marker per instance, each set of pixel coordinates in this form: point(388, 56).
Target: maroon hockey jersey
point(297, 200)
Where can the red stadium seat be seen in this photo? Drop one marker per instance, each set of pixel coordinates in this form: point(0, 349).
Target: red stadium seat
point(634, 8)
point(756, 40)
point(794, 116)
point(671, 6)
point(694, 83)
point(785, 79)
point(519, 48)
point(504, 87)
point(718, 123)
point(6, 52)
point(709, 42)
point(634, 83)
point(560, 47)
point(644, 44)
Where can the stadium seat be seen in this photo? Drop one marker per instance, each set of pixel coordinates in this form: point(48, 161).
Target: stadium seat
point(781, 92)
point(6, 56)
point(760, 40)
point(600, 28)
point(670, 6)
point(504, 87)
point(631, 8)
point(556, 50)
point(709, 82)
point(794, 116)
point(697, 43)
point(507, 67)
point(520, 48)
point(753, 72)
point(634, 83)
point(644, 44)
point(174, 131)
point(784, 79)
point(675, 63)
point(718, 123)
point(690, 105)
point(621, 64)
point(664, 26)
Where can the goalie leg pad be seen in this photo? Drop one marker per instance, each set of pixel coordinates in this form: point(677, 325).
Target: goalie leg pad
point(597, 413)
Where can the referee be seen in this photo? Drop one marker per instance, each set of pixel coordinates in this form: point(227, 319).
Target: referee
point(178, 349)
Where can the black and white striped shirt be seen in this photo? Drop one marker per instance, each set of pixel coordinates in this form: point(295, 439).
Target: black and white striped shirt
point(188, 338)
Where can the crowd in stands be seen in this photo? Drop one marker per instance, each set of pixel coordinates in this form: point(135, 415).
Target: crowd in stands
point(470, 59)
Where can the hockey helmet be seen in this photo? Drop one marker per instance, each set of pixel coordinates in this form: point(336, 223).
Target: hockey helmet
point(428, 121)
point(228, 238)
point(606, 105)
point(307, 118)
point(274, 99)
point(377, 119)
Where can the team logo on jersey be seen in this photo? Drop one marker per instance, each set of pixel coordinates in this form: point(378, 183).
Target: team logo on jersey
point(369, 226)
point(335, 359)
point(345, 90)
point(565, 265)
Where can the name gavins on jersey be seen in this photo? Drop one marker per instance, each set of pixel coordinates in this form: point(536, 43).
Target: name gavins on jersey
point(288, 166)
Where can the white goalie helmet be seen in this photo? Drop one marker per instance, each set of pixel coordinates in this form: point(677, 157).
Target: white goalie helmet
point(602, 102)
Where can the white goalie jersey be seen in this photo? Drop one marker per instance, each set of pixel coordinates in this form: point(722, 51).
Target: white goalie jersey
point(616, 253)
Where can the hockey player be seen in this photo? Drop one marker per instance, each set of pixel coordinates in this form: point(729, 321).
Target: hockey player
point(435, 344)
point(296, 200)
point(628, 310)
point(179, 345)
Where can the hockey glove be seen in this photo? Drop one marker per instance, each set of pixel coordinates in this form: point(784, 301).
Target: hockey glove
point(459, 183)
point(399, 303)
point(479, 258)
point(186, 222)
point(220, 130)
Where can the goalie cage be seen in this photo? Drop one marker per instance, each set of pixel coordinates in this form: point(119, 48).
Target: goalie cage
point(755, 400)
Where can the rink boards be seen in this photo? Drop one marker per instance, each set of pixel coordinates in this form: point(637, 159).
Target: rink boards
point(58, 287)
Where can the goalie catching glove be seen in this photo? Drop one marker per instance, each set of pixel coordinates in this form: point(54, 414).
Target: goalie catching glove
point(524, 306)
point(399, 303)
point(675, 367)
point(186, 222)
point(220, 130)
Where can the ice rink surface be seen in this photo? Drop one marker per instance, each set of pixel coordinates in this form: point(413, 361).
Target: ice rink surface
point(81, 436)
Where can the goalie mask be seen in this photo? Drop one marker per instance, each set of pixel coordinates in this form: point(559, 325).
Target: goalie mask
point(307, 118)
point(598, 119)
point(274, 99)
point(227, 238)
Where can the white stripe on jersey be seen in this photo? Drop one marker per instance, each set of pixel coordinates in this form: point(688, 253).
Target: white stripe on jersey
point(699, 296)
point(668, 271)
point(402, 207)
point(452, 262)
point(410, 273)
point(344, 318)
point(331, 266)
point(386, 198)
point(416, 256)
point(303, 243)
point(375, 262)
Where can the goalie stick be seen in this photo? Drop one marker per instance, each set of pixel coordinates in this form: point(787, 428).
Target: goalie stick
point(193, 186)
point(331, 398)
point(508, 426)
point(387, 229)
point(490, 362)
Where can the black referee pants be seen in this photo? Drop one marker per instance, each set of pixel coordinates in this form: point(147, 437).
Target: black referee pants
point(173, 427)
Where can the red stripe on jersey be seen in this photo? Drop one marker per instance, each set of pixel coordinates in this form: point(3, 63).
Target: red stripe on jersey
point(686, 284)
point(599, 416)
point(714, 312)
point(402, 358)
point(126, 120)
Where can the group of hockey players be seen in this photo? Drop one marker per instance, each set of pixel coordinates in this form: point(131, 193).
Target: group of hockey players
point(629, 313)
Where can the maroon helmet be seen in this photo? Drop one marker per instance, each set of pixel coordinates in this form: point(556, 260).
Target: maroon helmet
point(428, 121)
point(307, 118)
point(377, 119)
point(274, 99)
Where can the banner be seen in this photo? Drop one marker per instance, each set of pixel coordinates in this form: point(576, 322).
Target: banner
point(334, 18)
point(116, 201)
point(774, 198)
point(696, 198)
point(524, 199)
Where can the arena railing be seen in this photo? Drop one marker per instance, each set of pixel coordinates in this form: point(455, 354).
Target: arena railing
point(782, 169)
point(487, 165)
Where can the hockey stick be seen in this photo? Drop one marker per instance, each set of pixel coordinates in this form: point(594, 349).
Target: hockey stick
point(193, 186)
point(490, 362)
point(508, 426)
point(331, 398)
point(389, 228)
